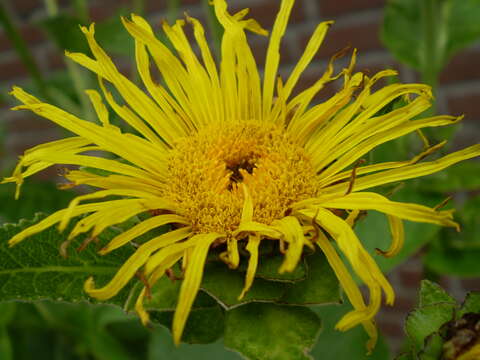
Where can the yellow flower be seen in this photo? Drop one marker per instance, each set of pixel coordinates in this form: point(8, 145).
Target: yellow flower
point(231, 158)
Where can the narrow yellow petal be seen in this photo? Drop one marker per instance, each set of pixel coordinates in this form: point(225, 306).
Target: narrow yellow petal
point(134, 262)
point(140, 229)
point(157, 274)
point(232, 251)
point(99, 106)
point(381, 166)
point(79, 177)
point(191, 283)
point(97, 195)
point(293, 234)
point(310, 51)
point(113, 212)
point(398, 237)
point(273, 54)
point(408, 172)
point(258, 228)
point(130, 117)
point(407, 211)
point(252, 248)
point(349, 244)
point(348, 284)
point(247, 212)
point(52, 220)
point(365, 146)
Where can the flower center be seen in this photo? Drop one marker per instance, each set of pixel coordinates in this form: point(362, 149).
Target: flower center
point(205, 171)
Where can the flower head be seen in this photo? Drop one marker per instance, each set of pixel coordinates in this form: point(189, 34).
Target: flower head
point(231, 159)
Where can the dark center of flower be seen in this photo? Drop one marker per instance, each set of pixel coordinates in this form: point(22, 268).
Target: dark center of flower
point(237, 171)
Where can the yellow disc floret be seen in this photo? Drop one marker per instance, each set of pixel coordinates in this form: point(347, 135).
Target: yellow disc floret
point(205, 170)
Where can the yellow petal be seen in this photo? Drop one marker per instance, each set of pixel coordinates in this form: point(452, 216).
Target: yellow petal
point(252, 248)
point(348, 284)
point(273, 54)
point(191, 283)
point(140, 229)
point(293, 234)
point(407, 211)
point(408, 172)
point(134, 262)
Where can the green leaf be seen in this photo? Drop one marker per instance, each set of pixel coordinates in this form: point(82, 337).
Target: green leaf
point(334, 345)
point(7, 312)
point(456, 178)
point(225, 285)
point(444, 259)
point(427, 320)
point(161, 347)
point(433, 348)
point(320, 287)
point(431, 294)
point(34, 269)
point(6, 350)
point(268, 269)
point(113, 36)
point(271, 332)
point(204, 325)
point(35, 197)
point(373, 232)
point(401, 30)
point(463, 25)
point(65, 31)
point(453, 25)
point(471, 304)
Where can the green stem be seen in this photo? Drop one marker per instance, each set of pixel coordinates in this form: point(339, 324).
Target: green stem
point(52, 7)
point(23, 51)
point(173, 7)
point(81, 9)
point(435, 15)
point(138, 7)
point(73, 69)
point(429, 55)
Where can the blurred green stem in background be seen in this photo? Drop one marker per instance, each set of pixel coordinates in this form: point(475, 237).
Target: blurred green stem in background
point(434, 14)
point(173, 7)
point(23, 52)
point(81, 9)
point(74, 70)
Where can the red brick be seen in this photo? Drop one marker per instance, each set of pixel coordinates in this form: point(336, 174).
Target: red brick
point(463, 67)
point(31, 34)
point(389, 328)
point(28, 122)
point(363, 37)
point(259, 47)
point(410, 279)
point(55, 59)
point(330, 8)
point(265, 12)
point(308, 79)
point(466, 104)
point(25, 8)
point(106, 8)
point(403, 304)
point(11, 69)
point(471, 284)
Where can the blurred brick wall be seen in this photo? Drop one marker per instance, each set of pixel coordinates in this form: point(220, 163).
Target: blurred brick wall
point(357, 23)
